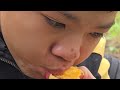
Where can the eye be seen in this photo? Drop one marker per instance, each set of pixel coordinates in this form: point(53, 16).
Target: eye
point(55, 24)
point(96, 35)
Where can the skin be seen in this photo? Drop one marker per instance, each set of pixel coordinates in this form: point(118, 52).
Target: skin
point(40, 47)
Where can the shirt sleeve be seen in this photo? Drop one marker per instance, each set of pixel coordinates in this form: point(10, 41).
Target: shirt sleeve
point(114, 70)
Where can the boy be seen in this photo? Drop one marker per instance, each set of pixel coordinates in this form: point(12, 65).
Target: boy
point(36, 43)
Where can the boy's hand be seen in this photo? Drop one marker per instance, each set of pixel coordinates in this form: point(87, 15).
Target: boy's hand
point(87, 73)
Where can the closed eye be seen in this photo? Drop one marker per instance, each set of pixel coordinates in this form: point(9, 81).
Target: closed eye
point(96, 35)
point(54, 23)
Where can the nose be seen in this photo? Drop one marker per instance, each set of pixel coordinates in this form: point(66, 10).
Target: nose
point(67, 52)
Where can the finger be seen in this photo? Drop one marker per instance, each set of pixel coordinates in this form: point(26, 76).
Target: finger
point(87, 73)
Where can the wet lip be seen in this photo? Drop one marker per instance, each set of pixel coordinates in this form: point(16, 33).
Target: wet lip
point(47, 74)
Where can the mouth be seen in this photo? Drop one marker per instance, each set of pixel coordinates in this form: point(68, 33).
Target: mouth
point(72, 73)
point(45, 72)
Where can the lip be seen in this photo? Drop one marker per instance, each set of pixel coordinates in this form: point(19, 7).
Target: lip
point(58, 70)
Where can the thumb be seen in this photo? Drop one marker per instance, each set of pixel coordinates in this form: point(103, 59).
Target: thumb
point(87, 73)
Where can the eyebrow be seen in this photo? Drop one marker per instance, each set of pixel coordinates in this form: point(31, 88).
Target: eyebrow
point(106, 26)
point(68, 15)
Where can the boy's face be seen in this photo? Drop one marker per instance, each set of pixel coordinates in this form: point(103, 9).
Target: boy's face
point(45, 42)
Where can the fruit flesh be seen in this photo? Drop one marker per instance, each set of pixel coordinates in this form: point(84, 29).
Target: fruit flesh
point(71, 73)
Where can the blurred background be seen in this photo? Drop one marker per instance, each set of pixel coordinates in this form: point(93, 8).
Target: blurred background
point(113, 39)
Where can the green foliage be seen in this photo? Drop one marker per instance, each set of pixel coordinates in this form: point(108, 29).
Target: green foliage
point(113, 37)
point(115, 29)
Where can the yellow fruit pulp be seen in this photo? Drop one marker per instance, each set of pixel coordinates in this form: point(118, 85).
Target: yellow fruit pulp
point(71, 73)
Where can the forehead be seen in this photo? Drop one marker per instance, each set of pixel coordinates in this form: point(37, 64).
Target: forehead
point(99, 16)
point(78, 14)
point(89, 12)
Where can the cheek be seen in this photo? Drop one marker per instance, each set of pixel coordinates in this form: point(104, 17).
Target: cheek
point(26, 36)
point(86, 49)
